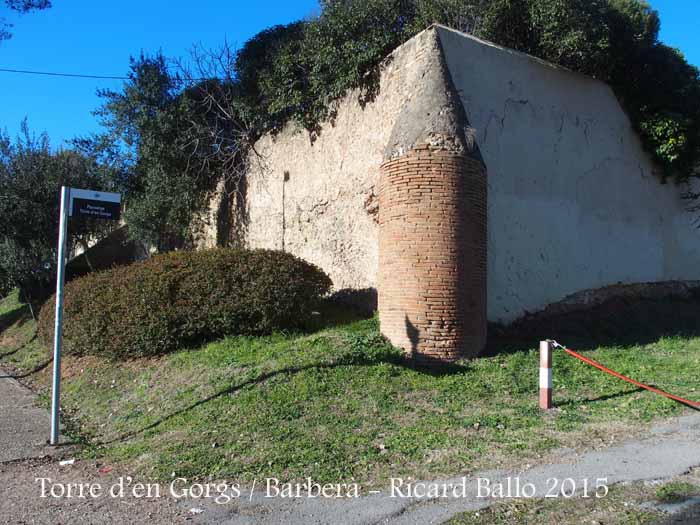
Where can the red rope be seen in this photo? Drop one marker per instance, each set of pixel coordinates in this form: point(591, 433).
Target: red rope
point(694, 404)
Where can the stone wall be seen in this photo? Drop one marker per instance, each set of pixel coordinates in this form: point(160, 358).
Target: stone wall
point(318, 199)
point(574, 203)
point(432, 246)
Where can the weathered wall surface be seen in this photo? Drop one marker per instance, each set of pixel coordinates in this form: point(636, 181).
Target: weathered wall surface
point(326, 210)
point(573, 202)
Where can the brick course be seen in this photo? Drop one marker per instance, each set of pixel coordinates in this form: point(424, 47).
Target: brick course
point(432, 254)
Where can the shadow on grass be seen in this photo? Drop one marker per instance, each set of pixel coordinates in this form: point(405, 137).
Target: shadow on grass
point(334, 312)
point(20, 347)
point(33, 371)
point(578, 402)
point(438, 368)
point(16, 317)
point(351, 360)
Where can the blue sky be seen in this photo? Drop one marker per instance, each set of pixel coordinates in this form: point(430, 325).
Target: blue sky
point(80, 36)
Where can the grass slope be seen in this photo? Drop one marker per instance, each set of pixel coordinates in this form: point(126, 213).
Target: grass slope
point(339, 404)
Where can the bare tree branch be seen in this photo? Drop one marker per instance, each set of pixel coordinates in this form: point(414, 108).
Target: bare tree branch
point(222, 135)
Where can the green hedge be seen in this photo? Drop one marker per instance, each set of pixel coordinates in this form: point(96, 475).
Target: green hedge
point(182, 298)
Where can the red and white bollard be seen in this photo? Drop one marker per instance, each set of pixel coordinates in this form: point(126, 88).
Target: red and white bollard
point(545, 375)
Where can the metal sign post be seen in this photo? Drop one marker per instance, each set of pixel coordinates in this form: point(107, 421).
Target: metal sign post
point(86, 203)
point(58, 325)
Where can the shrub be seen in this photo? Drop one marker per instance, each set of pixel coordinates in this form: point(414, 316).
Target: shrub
point(182, 298)
point(297, 72)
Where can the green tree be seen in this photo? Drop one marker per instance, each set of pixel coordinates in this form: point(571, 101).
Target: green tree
point(149, 129)
point(272, 76)
point(173, 136)
point(31, 175)
point(616, 41)
point(297, 72)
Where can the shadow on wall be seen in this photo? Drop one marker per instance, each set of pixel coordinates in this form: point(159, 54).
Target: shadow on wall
point(413, 336)
point(117, 249)
point(364, 299)
point(618, 320)
point(623, 315)
point(425, 363)
point(232, 217)
point(626, 315)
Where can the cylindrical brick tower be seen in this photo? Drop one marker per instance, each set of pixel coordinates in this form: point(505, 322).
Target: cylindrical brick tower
point(432, 228)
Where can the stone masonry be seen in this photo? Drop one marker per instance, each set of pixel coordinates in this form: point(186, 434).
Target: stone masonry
point(390, 196)
point(432, 254)
point(432, 225)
